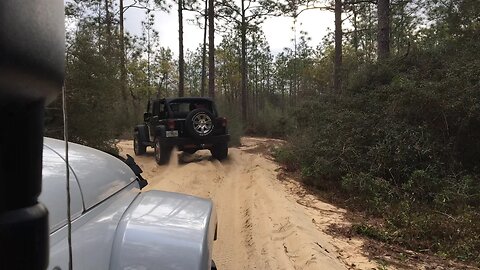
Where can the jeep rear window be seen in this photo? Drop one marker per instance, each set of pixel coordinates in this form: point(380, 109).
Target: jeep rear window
point(182, 108)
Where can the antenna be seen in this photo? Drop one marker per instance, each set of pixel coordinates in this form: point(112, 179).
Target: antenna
point(67, 164)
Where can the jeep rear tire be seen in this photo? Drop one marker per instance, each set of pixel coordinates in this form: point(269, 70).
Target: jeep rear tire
point(220, 151)
point(138, 146)
point(199, 123)
point(162, 152)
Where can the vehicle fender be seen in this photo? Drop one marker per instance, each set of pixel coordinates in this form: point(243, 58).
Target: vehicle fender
point(165, 230)
point(142, 132)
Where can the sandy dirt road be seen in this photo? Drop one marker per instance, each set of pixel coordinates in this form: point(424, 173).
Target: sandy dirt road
point(264, 222)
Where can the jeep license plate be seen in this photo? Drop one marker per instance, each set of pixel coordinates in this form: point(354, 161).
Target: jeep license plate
point(171, 133)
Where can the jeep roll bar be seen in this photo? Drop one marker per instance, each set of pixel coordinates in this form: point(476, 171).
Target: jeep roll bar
point(32, 51)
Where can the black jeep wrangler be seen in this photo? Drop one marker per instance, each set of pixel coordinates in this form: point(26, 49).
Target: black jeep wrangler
point(190, 124)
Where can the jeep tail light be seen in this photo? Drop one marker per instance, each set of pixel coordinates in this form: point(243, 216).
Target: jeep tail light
point(171, 124)
point(223, 121)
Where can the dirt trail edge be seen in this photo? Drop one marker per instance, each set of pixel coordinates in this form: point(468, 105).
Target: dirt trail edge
point(263, 222)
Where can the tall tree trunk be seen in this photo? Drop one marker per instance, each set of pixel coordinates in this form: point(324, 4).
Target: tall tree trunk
point(159, 87)
point(244, 63)
point(383, 35)
point(295, 76)
point(108, 28)
point(123, 70)
point(337, 72)
point(166, 86)
point(149, 74)
point(255, 91)
point(204, 51)
point(290, 92)
point(269, 90)
point(181, 60)
point(100, 23)
point(282, 85)
point(211, 48)
point(149, 48)
point(355, 30)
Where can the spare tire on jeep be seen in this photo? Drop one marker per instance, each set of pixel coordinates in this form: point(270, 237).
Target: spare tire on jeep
point(199, 123)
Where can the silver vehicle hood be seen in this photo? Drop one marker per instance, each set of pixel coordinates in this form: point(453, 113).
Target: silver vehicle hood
point(99, 175)
point(165, 230)
point(54, 192)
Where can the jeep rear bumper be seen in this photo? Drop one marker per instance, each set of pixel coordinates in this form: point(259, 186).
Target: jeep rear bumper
point(200, 143)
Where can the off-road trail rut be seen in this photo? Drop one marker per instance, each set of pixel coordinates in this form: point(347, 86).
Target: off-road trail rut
point(264, 222)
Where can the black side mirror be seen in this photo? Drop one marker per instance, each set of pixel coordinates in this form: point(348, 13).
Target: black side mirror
point(32, 52)
point(146, 116)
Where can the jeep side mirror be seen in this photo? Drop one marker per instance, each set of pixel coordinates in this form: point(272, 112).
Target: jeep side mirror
point(146, 116)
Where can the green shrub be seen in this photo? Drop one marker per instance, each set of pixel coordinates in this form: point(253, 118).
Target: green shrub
point(402, 143)
point(286, 156)
point(270, 121)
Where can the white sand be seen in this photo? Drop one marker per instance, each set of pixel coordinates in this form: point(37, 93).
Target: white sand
point(263, 222)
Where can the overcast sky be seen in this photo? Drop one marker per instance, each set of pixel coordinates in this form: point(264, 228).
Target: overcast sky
point(277, 29)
